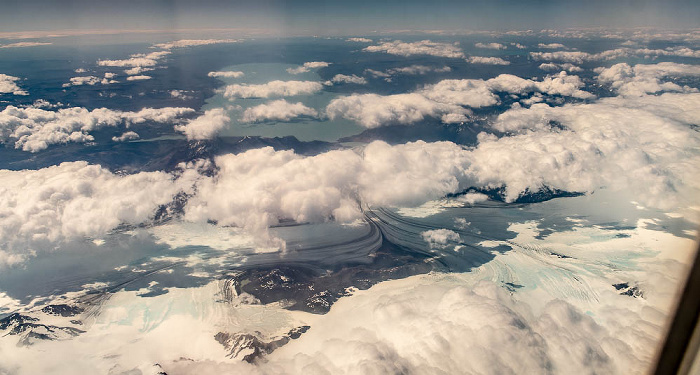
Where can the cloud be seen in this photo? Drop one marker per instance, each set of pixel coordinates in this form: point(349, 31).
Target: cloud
point(446, 99)
point(34, 129)
point(418, 70)
point(137, 70)
point(192, 42)
point(8, 85)
point(136, 60)
point(344, 78)
point(41, 208)
point(273, 88)
point(551, 45)
point(126, 136)
point(206, 126)
point(138, 78)
point(643, 147)
point(559, 67)
point(423, 47)
point(440, 238)
point(228, 74)
point(487, 60)
point(645, 78)
point(490, 45)
point(24, 44)
point(359, 40)
point(278, 110)
point(578, 57)
point(518, 45)
point(308, 66)
point(372, 110)
point(90, 80)
point(257, 188)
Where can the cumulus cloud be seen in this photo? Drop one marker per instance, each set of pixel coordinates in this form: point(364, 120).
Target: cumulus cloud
point(192, 42)
point(344, 78)
point(23, 44)
point(8, 85)
point(41, 208)
point(578, 57)
point(645, 78)
point(206, 126)
point(228, 74)
point(423, 47)
point(418, 70)
point(551, 45)
point(136, 60)
point(559, 67)
point(446, 99)
point(273, 88)
point(34, 129)
point(359, 40)
point(407, 70)
point(440, 238)
point(91, 80)
point(137, 70)
point(138, 78)
point(372, 110)
point(257, 188)
point(278, 110)
point(487, 60)
point(643, 147)
point(490, 45)
point(126, 136)
point(307, 67)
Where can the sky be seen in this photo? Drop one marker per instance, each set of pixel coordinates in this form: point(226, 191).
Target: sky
point(343, 17)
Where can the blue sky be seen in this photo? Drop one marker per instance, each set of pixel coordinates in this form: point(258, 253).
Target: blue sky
point(336, 17)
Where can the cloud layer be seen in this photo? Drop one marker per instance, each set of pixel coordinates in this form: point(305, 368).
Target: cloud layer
point(423, 47)
point(34, 129)
point(272, 88)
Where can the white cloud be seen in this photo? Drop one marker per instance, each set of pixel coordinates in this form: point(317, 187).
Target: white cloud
point(81, 70)
point(445, 99)
point(642, 79)
point(40, 208)
point(440, 238)
point(256, 188)
point(136, 60)
point(559, 67)
point(344, 78)
point(137, 70)
point(109, 75)
point(8, 85)
point(227, 74)
point(423, 47)
point(308, 66)
point(643, 147)
point(126, 136)
point(490, 45)
point(89, 80)
point(372, 110)
point(206, 126)
point(34, 129)
point(273, 88)
point(359, 40)
point(23, 44)
point(418, 69)
point(487, 60)
point(578, 57)
point(278, 110)
point(518, 45)
point(192, 42)
point(138, 78)
point(551, 45)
